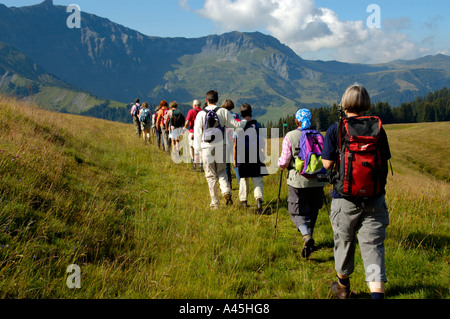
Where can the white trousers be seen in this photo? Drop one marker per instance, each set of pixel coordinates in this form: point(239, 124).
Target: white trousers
point(257, 188)
point(215, 172)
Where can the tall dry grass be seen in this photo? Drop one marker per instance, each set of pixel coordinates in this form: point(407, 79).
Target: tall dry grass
point(76, 190)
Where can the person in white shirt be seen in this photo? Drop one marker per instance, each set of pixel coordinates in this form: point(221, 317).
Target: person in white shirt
point(213, 153)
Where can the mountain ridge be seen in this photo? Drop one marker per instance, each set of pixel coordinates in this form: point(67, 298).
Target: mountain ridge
point(22, 77)
point(117, 63)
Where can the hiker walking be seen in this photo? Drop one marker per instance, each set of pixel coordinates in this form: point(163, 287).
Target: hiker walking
point(209, 139)
point(161, 126)
point(358, 145)
point(145, 116)
point(230, 135)
point(189, 125)
point(155, 131)
point(175, 121)
point(249, 158)
point(135, 109)
point(305, 193)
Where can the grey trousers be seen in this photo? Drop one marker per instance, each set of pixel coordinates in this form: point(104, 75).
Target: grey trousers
point(304, 205)
point(165, 140)
point(137, 125)
point(367, 221)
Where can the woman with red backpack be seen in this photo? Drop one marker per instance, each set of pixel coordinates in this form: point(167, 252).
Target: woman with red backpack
point(356, 151)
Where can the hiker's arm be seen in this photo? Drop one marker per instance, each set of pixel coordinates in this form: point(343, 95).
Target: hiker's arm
point(198, 133)
point(383, 140)
point(230, 121)
point(167, 123)
point(327, 164)
point(329, 152)
point(286, 154)
point(188, 119)
point(158, 121)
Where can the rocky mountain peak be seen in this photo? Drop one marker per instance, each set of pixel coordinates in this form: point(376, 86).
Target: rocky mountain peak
point(47, 3)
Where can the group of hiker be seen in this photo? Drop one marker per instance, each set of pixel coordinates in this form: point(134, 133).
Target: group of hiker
point(168, 124)
point(353, 157)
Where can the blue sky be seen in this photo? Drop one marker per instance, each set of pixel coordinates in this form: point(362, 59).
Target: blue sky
point(314, 29)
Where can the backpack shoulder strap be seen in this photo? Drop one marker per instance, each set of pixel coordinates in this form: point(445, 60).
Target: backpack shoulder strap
point(249, 124)
point(296, 148)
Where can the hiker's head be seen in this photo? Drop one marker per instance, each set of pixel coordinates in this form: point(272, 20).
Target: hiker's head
point(212, 97)
point(196, 103)
point(246, 110)
point(173, 105)
point(145, 105)
point(228, 104)
point(136, 101)
point(163, 103)
point(356, 99)
point(303, 119)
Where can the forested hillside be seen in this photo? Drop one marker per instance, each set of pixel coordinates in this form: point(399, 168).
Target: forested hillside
point(434, 107)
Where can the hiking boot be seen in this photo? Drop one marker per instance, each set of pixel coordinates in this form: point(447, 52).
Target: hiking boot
point(259, 207)
point(228, 199)
point(244, 204)
point(308, 245)
point(341, 292)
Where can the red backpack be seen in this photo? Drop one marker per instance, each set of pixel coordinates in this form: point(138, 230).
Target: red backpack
point(360, 160)
point(164, 116)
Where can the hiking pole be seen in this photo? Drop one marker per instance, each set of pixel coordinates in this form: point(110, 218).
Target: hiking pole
point(278, 203)
point(326, 202)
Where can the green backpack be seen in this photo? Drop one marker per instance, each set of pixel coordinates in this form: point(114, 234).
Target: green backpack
point(177, 119)
point(309, 160)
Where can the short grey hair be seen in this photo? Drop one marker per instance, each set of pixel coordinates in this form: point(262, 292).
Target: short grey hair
point(356, 99)
point(197, 103)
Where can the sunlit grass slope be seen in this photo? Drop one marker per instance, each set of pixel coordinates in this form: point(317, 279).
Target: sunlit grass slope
point(77, 190)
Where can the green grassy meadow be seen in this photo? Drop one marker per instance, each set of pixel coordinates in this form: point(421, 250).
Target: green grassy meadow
point(78, 190)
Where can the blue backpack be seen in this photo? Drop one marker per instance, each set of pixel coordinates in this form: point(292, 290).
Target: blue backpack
point(145, 116)
point(212, 126)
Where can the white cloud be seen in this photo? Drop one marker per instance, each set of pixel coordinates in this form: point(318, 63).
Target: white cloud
point(240, 14)
point(380, 47)
point(310, 30)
